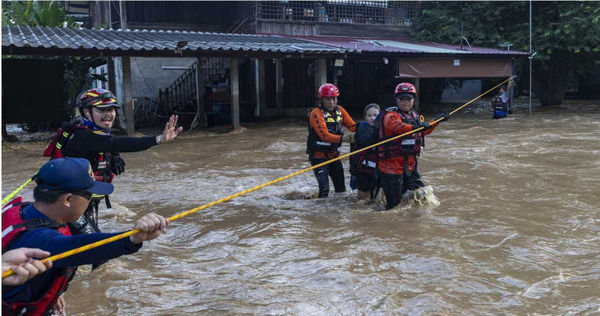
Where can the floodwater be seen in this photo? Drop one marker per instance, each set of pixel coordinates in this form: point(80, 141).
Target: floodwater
point(517, 230)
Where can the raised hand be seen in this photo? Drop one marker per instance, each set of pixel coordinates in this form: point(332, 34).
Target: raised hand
point(169, 133)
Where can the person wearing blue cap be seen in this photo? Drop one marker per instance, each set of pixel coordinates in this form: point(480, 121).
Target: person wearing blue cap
point(63, 192)
point(90, 138)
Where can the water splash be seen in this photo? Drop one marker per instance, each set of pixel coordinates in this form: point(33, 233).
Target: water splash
point(422, 196)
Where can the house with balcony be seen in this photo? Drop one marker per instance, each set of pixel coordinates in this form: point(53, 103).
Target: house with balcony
point(229, 62)
point(268, 87)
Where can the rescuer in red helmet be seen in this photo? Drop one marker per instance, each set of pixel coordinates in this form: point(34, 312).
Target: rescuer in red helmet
point(325, 138)
point(397, 163)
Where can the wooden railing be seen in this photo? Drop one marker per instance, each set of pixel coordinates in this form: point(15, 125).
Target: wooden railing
point(180, 97)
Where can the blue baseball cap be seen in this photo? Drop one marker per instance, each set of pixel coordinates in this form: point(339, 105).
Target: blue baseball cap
point(71, 175)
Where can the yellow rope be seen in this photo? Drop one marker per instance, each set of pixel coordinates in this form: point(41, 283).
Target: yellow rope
point(230, 197)
point(10, 196)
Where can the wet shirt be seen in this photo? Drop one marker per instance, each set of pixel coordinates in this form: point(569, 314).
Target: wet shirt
point(317, 123)
point(54, 242)
point(394, 125)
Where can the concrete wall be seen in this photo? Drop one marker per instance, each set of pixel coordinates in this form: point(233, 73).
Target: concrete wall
point(147, 76)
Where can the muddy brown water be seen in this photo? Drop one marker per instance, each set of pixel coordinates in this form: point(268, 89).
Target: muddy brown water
point(517, 230)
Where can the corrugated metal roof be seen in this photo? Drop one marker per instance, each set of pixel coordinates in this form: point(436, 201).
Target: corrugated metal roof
point(19, 39)
point(65, 41)
point(402, 46)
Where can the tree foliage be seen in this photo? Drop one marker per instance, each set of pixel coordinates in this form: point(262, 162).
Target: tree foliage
point(566, 35)
point(35, 13)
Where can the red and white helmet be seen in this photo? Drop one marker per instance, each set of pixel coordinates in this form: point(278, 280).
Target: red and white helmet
point(328, 90)
point(405, 88)
point(100, 98)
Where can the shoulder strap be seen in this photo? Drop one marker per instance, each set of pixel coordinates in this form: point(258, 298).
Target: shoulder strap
point(13, 224)
point(54, 149)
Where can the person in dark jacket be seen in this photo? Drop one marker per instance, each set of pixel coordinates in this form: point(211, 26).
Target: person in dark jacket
point(63, 192)
point(90, 138)
point(363, 165)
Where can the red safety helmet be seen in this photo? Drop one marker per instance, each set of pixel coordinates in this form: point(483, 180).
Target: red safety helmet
point(328, 90)
point(405, 88)
point(99, 98)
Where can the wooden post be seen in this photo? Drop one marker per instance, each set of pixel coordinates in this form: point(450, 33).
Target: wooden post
point(511, 93)
point(321, 73)
point(123, 14)
point(261, 86)
point(118, 90)
point(110, 65)
point(200, 118)
point(127, 85)
point(257, 87)
point(128, 95)
point(108, 14)
point(335, 74)
point(279, 85)
point(98, 13)
point(417, 104)
point(235, 94)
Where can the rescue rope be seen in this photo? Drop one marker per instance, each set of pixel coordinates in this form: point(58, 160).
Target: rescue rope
point(230, 197)
point(10, 196)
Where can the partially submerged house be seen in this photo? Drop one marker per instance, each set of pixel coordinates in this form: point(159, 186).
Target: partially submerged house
point(225, 62)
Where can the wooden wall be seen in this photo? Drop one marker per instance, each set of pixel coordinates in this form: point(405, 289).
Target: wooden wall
point(207, 16)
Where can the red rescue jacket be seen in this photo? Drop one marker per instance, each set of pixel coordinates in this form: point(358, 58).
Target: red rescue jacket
point(12, 226)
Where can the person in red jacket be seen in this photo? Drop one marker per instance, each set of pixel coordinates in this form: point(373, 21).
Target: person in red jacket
point(397, 164)
point(325, 138)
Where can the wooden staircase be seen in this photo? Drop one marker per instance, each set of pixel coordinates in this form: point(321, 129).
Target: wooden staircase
point(181, 96)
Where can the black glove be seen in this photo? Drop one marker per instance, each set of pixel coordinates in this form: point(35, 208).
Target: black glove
point(424, 125)
point(117, 164)
point(443, 115)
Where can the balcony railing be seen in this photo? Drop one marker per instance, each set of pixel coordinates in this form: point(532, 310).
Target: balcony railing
point(398, 13)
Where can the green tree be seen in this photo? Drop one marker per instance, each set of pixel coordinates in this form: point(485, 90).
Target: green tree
point(35, 13)
point(566, 35)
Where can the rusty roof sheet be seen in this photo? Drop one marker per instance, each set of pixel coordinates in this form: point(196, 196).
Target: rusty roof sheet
point(402, 46)
point(55, 40)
